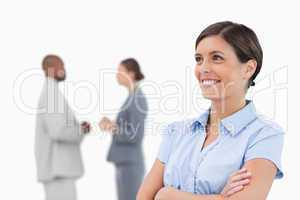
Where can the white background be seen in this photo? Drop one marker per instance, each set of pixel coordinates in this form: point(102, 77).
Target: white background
point(92, 36)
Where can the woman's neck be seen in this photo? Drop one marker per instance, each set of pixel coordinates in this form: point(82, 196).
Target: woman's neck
point(131, 87)
point(223, 108)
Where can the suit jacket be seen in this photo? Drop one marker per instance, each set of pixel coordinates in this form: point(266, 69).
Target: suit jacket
point(58, 137)
point(127, 141)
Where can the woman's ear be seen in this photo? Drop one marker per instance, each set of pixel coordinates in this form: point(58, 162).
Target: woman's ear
point(250, 68)
point(132, 75)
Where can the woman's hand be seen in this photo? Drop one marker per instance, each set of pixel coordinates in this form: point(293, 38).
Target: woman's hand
point(106, 124)
point(236, 182)
point(166, 193)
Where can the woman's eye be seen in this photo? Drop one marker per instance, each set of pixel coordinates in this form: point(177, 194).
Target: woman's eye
point(217, 58)
point(198, 59)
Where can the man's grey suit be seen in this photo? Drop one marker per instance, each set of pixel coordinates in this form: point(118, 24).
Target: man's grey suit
point(57, 144)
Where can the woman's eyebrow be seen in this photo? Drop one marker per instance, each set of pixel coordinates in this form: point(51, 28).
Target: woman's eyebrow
point(213, 52)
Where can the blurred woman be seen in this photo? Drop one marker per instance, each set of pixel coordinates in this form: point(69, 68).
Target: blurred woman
point(128, 132)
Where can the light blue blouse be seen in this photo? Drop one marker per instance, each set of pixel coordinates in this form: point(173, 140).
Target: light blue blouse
point(243, 136)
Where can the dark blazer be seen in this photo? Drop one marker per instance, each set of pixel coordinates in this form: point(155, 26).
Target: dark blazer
point(127, 141)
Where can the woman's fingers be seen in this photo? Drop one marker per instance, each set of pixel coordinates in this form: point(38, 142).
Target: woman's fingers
point(236, 186)
point(234, 190)
point(239, 183)
point(241, 171)
point(241, 176)
point(110, 126)
point(105, 124)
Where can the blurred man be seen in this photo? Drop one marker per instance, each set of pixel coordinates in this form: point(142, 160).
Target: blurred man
point(58, 136)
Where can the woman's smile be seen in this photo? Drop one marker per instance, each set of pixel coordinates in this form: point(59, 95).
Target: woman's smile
point(209, 82)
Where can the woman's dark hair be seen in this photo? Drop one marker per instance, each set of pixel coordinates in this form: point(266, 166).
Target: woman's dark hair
point(243, 40)
point(133, 66)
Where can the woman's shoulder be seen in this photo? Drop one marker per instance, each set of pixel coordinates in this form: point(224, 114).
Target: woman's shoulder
point(270, 124)
point(138, 96)
point(266, 128)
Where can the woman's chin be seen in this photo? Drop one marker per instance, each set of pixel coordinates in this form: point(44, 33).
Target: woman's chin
point(211, 96)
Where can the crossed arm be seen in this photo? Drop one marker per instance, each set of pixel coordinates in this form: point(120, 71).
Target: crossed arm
point(262, 175)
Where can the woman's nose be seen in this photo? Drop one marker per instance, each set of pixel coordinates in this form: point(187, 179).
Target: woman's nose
point(205, 68)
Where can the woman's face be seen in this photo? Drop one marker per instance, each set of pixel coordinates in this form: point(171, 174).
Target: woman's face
point(123, 76)
point(218, 70)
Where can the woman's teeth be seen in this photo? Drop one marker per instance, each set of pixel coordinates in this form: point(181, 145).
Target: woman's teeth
point(209, 82)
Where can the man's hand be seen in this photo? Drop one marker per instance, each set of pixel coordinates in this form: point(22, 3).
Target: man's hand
point(236, 182)
point(85, 127)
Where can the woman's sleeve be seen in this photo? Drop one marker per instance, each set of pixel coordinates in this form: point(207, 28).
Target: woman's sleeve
point(268, 145)
point(166, 144)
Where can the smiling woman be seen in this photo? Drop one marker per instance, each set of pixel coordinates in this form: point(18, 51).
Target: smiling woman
point(216, 155)
point(232, 52)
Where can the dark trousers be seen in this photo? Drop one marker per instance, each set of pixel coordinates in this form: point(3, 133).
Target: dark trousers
point(129, 177)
